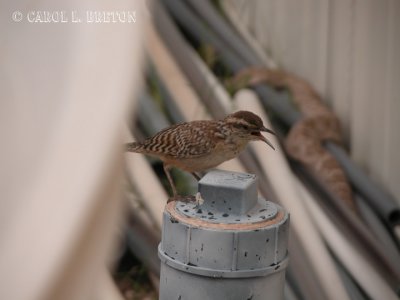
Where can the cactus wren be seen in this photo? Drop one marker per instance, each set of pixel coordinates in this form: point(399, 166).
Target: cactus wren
point(200, 145)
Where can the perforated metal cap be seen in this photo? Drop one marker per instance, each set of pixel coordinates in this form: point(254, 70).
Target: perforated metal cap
point(232, 231)
point(233, 234)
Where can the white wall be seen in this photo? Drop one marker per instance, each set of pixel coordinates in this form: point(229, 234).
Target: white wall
point(66, 89)
point(350, 51)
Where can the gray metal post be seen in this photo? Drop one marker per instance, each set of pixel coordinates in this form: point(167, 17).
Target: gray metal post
point(233, 246)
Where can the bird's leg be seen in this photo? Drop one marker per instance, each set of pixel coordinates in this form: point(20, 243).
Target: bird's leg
point(196, 176)
point(171, 182)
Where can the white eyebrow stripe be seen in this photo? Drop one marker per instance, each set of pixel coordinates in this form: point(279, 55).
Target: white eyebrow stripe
point(242, 122)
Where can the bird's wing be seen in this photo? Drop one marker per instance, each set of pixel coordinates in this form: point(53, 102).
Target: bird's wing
point(192, 139)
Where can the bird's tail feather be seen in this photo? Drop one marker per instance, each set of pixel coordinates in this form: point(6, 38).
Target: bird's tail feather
point(133, 147)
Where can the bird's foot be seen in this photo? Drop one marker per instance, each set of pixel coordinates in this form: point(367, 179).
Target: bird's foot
point(189, 198)
point(186, 199)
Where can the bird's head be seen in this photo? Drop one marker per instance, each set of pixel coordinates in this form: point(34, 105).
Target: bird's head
point(248, 126)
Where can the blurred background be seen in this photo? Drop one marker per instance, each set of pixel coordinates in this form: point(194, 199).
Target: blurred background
point(82, 220)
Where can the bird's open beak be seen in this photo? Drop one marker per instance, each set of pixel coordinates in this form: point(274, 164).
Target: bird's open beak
point(264, 139)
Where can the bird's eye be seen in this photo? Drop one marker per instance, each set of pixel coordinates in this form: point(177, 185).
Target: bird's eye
point(241, 126)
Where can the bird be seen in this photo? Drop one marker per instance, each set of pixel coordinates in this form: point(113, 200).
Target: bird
point(200, 145)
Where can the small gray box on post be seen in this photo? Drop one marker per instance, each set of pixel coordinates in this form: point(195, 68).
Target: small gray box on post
point(237, 191)
point(233, 246)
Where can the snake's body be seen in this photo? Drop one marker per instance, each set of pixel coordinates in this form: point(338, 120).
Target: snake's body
point(319, 124)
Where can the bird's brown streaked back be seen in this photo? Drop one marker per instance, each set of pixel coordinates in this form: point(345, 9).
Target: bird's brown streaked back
point(189, 139)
